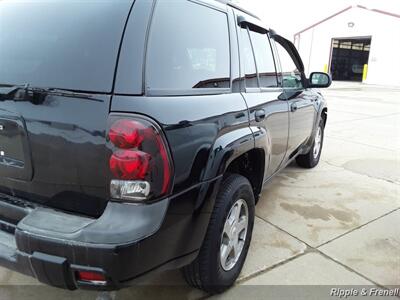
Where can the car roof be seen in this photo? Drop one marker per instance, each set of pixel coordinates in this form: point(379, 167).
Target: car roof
point(238, 7)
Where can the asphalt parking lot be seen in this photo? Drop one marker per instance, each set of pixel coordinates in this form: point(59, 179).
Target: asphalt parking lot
point(337, 224)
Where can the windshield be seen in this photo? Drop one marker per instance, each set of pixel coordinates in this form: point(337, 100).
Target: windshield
point(61, 44)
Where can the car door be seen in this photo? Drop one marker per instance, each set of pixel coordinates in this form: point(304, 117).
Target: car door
point(299, 99)
point(268, 110)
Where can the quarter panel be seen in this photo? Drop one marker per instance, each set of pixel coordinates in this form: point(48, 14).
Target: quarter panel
point(195, 127)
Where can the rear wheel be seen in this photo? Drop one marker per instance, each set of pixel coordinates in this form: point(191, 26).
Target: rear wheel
point(311, 159)
point(228, 237)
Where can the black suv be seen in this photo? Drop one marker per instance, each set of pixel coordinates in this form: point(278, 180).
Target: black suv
point(136, 136)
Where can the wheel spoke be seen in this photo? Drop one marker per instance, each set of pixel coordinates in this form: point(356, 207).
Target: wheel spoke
point(241, 225)
point(228, 228)
point(236, 248)
point(237, 211)
point(225, 251)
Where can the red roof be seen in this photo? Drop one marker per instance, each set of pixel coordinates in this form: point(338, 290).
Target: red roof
point(344, 10)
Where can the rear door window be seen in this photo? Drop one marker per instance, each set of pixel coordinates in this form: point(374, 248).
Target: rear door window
point(61, 44)
point(264, 59)
point(247, 56)
point(188, 48)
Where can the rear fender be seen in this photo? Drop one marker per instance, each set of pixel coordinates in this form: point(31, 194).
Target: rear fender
point(226, 149)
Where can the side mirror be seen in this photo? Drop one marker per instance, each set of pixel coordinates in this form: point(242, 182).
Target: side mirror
point(319, 80)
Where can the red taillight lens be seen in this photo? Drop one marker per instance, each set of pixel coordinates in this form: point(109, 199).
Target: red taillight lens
point(126, 134)
point(129, 164)
point(88, 276)
point(140, 163)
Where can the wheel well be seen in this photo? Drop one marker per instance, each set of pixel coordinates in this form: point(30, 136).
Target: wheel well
point(324, 115)
point(250, 165)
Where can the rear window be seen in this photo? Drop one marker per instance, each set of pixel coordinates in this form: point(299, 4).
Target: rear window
point(61, 44)
point(188, 47)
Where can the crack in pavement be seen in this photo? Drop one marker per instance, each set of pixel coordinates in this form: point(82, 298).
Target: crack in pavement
point(361, 174)
point(358, 227)
point(311, 249)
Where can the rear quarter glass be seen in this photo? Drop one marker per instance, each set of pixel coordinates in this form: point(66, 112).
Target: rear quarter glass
point(186, 52)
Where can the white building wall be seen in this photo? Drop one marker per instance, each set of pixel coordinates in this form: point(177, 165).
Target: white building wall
point(384, 60)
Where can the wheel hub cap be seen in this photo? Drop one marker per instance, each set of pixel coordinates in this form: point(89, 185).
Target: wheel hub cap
point(234, 234)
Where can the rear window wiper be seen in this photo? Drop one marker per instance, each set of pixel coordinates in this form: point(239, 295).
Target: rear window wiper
point(56, 92)
point(9, 90)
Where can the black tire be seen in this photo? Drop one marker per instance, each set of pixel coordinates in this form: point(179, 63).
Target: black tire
point(206, 271)
point(308, 160)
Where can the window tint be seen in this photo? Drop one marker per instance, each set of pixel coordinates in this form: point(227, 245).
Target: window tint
point(61, 44)
point(265, 60)
point(290, 74)
point(247, 56)
point(188, 47)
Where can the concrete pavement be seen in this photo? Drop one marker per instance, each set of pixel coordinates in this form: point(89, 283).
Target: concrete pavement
point(337, 224)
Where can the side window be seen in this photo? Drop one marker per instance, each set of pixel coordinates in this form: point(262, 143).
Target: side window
point(291, 76)
point(247, 56)
point(265, 59)
point(188, 47)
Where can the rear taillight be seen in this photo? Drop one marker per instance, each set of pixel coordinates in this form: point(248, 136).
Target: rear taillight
point(126, 134)
point(130, 164)
point(140, 163)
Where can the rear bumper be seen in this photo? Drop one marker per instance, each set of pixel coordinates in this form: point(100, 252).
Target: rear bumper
point(60, 272)
point(126, 243)
point(52, 245)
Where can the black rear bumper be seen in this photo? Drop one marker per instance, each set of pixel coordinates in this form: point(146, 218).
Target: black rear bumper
point(60, 272)
point(124, 244)
point(52, 246)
